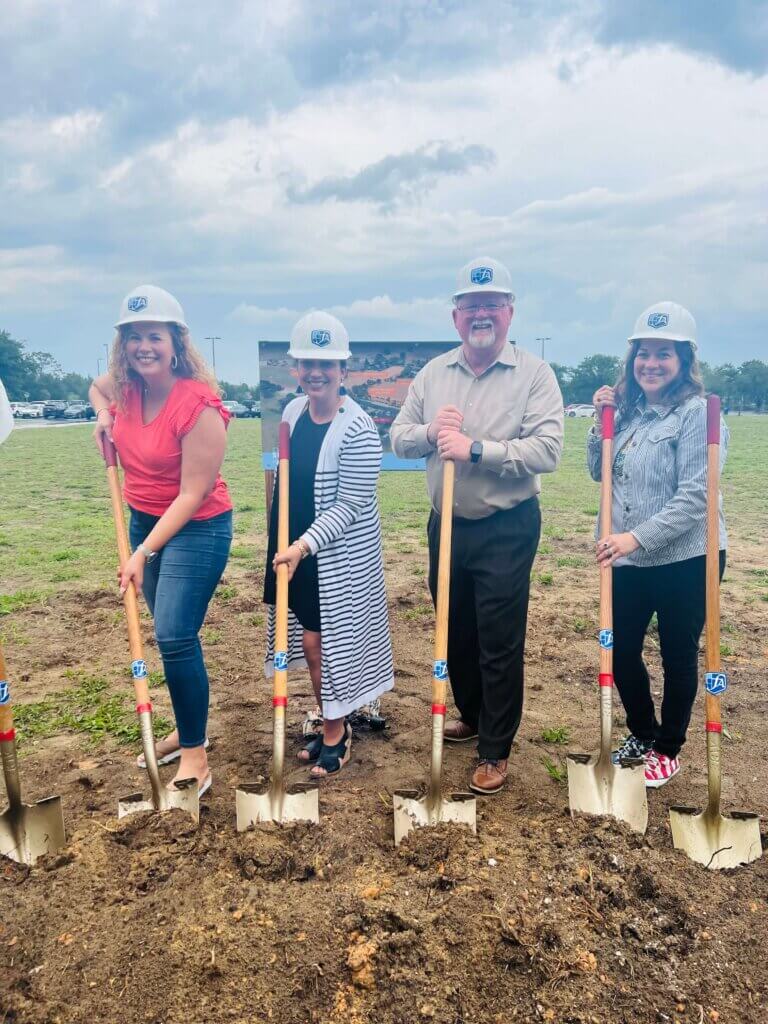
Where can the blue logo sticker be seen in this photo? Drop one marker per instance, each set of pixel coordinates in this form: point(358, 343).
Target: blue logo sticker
point(5, 692)
point(716, 682)
point(605, 637)
point(657, 320)
point(440, 670)
point(481, 275)
point(137, 302)
point(139, 669)
point(321, 338)
point(281, 660)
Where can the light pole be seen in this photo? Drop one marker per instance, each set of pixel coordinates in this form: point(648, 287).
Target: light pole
point(213, 339)
point(98, 366)
point(106, 357)
point(542, 340)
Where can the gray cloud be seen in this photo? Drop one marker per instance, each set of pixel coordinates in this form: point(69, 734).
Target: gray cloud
point(735, 34)
point(402, 177)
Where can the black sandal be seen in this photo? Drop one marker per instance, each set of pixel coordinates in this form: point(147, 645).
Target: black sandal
point(333, 758)
point(312, 750)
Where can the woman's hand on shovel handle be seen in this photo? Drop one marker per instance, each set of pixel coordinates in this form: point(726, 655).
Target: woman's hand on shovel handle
point(616, 545)
point(103, 428)
point(290, 557)
point(602, 397)
point(132, 572)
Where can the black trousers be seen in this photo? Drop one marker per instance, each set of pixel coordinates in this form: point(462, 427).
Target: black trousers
point(676, 593)
point(491, 563)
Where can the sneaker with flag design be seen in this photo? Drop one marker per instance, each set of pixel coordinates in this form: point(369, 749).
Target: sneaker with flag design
point(659, 769)
point(631, 749)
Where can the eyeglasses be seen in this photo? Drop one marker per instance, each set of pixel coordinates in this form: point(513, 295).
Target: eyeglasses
point(489, 307)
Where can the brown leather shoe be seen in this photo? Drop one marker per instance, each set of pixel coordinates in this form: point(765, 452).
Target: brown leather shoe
point(489, 777)
point(458, 732)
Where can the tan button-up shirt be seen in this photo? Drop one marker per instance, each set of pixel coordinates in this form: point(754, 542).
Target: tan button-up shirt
point(515, 408)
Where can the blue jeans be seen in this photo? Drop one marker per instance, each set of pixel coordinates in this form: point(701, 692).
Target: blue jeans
point(178, 586)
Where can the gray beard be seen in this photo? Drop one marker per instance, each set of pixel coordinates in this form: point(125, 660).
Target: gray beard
point(482, 342)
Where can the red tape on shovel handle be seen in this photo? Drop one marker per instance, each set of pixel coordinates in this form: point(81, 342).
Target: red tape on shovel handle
point(284, 441)
point(605, 679)
point(713, 419)
point(606, 422)
point(109, 452)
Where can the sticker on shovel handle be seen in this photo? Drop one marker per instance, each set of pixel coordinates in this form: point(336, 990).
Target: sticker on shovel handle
point(440, 670)
point(716, 683)
point(605, 637)
point(139, 669)
point(281, 660)
point(5, 692)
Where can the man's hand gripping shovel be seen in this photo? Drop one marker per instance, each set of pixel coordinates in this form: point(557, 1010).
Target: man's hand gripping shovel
point(411, 809)
point(595, 784)
point(254, 803)
point(184, 796)
point(711, 838)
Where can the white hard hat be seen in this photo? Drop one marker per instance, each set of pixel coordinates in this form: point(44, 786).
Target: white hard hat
point(319, 335)
point(666, 320)
point(146, 302)
point(483, 275)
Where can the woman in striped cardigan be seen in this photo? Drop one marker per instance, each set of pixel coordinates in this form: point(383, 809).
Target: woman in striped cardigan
point(657, 542)
point(338, 624)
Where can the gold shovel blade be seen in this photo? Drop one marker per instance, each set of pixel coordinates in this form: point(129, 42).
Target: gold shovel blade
point(603, 788)
point(715, 840)
point(183, 798)
point(254, 804)
point(412, 811)
point(32, 830)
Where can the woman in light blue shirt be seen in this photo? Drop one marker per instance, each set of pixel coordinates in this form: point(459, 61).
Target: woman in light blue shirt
point(658, 540)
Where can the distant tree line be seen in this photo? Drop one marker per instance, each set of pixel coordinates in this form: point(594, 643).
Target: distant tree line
point(739, 387)
point(33, 376)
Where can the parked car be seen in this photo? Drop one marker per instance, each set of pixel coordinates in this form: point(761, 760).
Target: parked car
point(79, 411)
point(236, 409)
point(253, 406)
point(54, 409)
point(26, 411)
point(580, 410)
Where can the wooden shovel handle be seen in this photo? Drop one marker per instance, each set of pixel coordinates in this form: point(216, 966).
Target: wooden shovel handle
point(130, 601)
point(6, 709)
point(712, 655)
point(440, 674)
point(280, 681)
point(606, 509)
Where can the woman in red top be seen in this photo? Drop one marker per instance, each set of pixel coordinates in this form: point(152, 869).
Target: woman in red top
point(161, 407)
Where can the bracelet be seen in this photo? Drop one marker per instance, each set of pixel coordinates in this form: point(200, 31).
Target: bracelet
point(303, 547)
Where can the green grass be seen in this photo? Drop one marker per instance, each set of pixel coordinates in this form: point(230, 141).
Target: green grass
point(87, 708)
point(556, 770)
point(559, 734)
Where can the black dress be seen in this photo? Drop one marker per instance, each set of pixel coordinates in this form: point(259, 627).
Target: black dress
point(303, 596)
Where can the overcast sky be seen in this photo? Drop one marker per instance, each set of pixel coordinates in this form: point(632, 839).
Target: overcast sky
point(259, 160)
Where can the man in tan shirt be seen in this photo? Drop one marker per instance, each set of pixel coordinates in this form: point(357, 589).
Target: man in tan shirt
point(497, 412)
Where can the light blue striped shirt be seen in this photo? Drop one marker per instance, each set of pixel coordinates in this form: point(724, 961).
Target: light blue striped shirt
point(660, 466)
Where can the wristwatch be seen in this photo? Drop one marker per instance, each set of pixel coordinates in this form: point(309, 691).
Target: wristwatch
point(149, 555)
point(476, 451)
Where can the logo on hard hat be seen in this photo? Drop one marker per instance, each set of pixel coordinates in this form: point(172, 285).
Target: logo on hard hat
point(657, 320)
point(137, 302)
point(321, 338)
point(481, 275)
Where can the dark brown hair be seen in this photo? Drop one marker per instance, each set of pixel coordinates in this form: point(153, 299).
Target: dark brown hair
point(688, 382)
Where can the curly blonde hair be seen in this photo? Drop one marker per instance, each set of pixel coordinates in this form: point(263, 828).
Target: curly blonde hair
point(190, 363)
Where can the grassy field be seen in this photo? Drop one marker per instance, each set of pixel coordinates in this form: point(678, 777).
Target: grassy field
point(56, 532)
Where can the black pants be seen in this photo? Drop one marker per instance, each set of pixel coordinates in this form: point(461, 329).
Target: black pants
point(676, 592)
point(491, 563)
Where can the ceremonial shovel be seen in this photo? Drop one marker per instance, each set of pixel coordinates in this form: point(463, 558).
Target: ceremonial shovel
point(253, 802)
point(711, 838)
point(184, 797)
point(411, 809)
point(27, 831)
point(595, 784)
